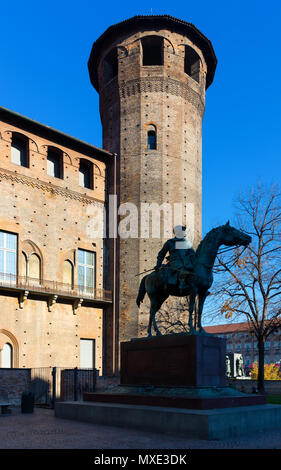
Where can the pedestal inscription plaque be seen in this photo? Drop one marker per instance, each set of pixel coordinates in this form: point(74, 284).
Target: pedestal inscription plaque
point(174, 360)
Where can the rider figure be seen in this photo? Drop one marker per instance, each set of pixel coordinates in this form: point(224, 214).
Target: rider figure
point(181, 255)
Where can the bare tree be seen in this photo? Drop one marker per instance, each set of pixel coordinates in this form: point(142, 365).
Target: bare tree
point(248, 281)
point(173, 316)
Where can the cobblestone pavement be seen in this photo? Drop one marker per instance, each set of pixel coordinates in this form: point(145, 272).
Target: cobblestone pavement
point(42, 430)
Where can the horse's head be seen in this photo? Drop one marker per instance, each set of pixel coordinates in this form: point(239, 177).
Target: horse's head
point(231, 236)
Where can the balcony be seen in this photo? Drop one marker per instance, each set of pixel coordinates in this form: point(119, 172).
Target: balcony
point(53, 291)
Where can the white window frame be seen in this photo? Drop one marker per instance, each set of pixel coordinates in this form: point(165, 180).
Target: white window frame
point(84, 287)
point(8, 275)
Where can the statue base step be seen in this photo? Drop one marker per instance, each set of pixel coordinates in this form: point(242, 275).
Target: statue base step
point(174, 360)
point(199, 398)
point(194, 424)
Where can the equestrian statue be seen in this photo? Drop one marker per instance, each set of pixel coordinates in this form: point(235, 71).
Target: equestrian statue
point(188, 273)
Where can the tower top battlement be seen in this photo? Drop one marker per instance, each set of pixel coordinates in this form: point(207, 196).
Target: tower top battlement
point(151, 22)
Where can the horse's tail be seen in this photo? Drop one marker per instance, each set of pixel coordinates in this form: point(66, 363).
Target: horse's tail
point(142, 292)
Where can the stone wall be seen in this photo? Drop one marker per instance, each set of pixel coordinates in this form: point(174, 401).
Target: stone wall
point(272, 387)
point(14, 382)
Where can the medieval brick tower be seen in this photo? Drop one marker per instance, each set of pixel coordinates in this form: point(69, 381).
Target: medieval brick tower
point(151, 73)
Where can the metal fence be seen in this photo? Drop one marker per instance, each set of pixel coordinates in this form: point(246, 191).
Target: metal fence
point(50, 384)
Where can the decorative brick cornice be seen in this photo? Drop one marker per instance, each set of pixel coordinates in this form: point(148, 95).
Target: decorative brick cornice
point(47, 187)
point(152, 85)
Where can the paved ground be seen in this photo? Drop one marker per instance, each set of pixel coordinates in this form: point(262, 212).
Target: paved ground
point(42, 430)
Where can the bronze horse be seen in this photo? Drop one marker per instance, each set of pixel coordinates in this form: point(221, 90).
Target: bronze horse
point(196, 284)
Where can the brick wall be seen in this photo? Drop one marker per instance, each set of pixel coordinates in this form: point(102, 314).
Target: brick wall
point(14, 382)
point(52, 217)
point(170, 100)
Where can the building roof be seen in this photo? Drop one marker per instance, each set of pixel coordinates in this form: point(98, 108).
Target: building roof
point(228, 328)
point(237, 327)
point(141, 22)
point(47, 132)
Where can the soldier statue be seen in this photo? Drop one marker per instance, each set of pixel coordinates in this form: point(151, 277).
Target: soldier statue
point(187, 274)
point(181, 255)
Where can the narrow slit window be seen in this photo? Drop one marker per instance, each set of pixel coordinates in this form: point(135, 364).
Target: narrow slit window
point(151, 139)
point(152, 50)
point(192, 63)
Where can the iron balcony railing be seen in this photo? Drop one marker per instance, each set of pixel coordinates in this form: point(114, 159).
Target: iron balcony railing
point(43, 286)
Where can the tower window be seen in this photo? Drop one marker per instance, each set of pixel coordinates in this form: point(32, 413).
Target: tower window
point(192, 63)
point(19, 150)
point(86, 174)
point(54, 163)
point(151, 139)
point(110, 65)
point(152, 50)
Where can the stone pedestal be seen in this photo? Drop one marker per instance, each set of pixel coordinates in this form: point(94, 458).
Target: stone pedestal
point(178, 371)
point(176, 384)
point(174, 360)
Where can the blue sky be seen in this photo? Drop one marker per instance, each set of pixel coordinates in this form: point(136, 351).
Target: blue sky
point(44, 52)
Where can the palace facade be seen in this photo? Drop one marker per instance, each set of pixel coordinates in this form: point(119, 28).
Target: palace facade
point(240, 339)
point(55, 304)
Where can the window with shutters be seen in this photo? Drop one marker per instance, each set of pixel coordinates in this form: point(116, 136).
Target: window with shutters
point(87, 353)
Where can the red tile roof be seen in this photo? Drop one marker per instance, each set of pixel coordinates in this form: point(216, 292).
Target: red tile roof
point(227, 328)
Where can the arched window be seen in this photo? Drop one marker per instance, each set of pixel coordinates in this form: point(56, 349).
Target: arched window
point(151, 138)
point(19, 150)
point(7, 356)
point(24, 265)
point(55, 162)
point(110, 65)
point(192, 63)
point(86, 174)
point(68, 272)
point(152, 50)
point(34, 267)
